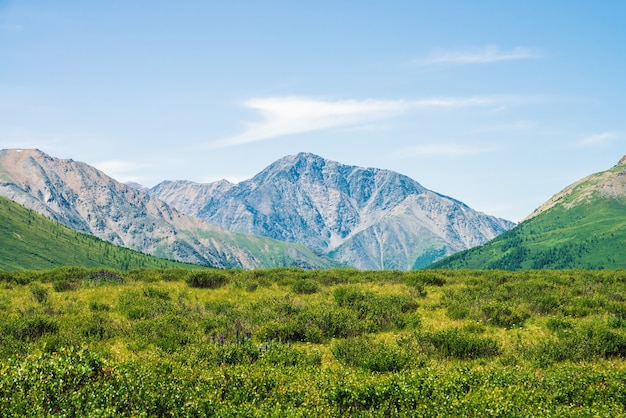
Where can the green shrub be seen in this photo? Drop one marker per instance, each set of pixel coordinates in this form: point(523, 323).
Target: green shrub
point(474, 328)
point(312, 324)
point(186, 352)
point(280, 354)
point(458, 344)
point(219, 307)
point(99, 306)
point(419, 279)
point(251, 287)
point(65, 285)
point(34, 328)
point(503, 315)
point(547, 352)
point(417, 289)
point(286, 281)
point(339, 323)
point(457, 311)
point(5, 303)
point(99, 327)
point(545, 304)
point(229, 352)
point(428, 278)
point(584, 342)
point(207, 279)
point(101, 278)
point(305, 287)
point(139, 305)
point(68, 273)
point(558, 325)
point(39, 292)
point(616, 321)
point(153, 292)
point(174, 274)
point(15, 277)
point(169, 332)
point(66, 383)
point(379, 312)
point(371, 355)
point(286, 330)
point(333, 277)
point(313, 335)
point(348, 296)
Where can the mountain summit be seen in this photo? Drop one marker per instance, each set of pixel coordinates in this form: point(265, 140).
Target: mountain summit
point(85, 199)
point(610, 183)
point(582, 226)
point(367, 218)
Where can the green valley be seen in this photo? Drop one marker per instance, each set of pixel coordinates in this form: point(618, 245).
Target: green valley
point(32, 241)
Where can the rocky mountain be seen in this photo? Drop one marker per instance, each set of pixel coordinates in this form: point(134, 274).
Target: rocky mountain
point(85, 199)
point(583, 226)
point(363, 217)
point(30, 241)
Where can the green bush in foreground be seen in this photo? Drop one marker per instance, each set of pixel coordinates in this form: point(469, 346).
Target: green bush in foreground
point(78, 382)
point(80, 342)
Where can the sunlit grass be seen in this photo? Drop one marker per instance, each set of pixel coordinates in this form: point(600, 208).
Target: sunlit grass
point(525, 330)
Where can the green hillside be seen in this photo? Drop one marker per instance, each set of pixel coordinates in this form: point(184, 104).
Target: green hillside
point(31, 241)
point(582, 226)
point(591, 235)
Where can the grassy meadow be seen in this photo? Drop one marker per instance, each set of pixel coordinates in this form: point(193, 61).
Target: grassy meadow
point(290, 342)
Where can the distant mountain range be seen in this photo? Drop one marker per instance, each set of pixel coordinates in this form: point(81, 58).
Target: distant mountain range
point(87, 200)
point(301, 211)
point(583, 226)
point(362, 217)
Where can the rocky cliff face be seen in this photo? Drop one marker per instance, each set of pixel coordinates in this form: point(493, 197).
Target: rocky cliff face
point(190, 197)
point(364, 217)
point(83, 198)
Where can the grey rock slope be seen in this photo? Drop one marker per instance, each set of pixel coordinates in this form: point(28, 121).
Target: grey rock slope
point(85, 199)
point(363, 217)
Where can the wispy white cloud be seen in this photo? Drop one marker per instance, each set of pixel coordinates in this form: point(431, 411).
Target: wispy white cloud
point(442, 150)
point(476, 55)
point(597, 139)
point(289, 115)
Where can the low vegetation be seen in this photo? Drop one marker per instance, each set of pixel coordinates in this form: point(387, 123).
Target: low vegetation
point(290, 342)
point(32, 240)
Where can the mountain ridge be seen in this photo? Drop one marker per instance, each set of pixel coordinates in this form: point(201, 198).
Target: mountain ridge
point(369, 218)
point(85, 199)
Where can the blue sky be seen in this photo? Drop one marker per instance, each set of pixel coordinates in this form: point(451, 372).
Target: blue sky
point(497, 104)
